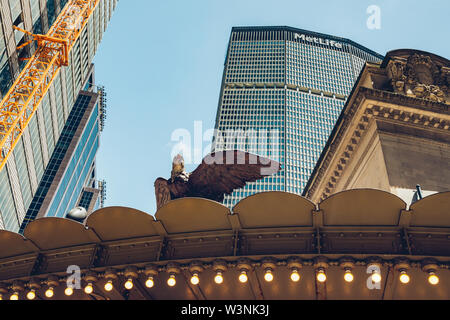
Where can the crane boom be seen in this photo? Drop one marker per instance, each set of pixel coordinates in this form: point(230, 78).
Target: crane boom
point(23, 98)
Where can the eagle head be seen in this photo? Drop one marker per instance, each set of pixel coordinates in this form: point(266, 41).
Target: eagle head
point(178, 162)
point(177, 166)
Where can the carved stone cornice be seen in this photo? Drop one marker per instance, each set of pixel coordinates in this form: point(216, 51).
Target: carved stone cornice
point(419, 75)
point(409, 101)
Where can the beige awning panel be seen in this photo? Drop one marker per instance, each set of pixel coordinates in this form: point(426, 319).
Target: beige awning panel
point(13, 244)
point(274, 209)
point(432, 211)
point(115, 223)
point(54, 233)
point(192, 215)
point(362, 207)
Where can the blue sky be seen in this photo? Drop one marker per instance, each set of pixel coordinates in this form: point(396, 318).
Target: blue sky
point(162, 63)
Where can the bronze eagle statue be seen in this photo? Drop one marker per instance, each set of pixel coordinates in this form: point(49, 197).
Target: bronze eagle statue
point(218, 175)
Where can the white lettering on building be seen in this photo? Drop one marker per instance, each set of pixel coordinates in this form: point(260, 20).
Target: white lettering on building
point(317, 40)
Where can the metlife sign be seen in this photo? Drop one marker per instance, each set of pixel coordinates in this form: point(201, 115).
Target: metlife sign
point(325, 42)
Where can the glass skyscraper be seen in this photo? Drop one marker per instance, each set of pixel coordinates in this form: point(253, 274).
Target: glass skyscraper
point(282, 91)
point(31, 166)
point(69, 179)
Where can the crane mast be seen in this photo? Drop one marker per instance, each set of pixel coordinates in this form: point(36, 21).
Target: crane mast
point(53, 49)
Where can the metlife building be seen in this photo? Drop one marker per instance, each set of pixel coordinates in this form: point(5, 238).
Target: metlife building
point(282, 91)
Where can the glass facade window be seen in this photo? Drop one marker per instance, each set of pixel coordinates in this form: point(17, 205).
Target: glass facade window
point(48, 123)
point(16, 10)
point(22, 171)
point(77, 172)
point(256, 61)
point(5, 72)
point(259, 116)
point(36, 16)
point(36, 147)
point(320, 68)
point(51, 11)
point(82, 157)
point(309, 121)
point(86, 199)
point(290, 82)
point(8, 210)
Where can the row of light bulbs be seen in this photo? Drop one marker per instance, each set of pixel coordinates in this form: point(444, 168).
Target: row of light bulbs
point(404, 278)
point(321, 277)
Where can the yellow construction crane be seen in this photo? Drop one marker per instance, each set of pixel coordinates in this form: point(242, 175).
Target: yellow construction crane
point(23, 98)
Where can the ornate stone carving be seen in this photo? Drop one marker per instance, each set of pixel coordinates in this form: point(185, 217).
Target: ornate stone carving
point(396, 72)
point(419, 76)
point(431, 92)
point(444, 79)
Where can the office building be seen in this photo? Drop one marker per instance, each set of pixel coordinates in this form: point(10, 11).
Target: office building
point(283, 88)
point(30, 162)
point(70, 178)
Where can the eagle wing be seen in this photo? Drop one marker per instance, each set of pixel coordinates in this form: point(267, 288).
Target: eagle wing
point(166, 190)
point(162, 192)
point(222, 172)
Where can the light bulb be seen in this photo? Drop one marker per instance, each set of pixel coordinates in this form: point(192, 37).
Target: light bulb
point(129, 284)
point(89, 288)
point(218, 278)
point(149, 283)
point(49, 293)
point(295, 276)
point(68, 291)
point(109, 286)
point(433, 279)
point(321, 276)
point(243, 276)
point(195, 280)
point(1, 297)
point(14, 296)
point(376, 277)
point(404, 277)
point(31, 294)
point(348, 276)
point(268, 276)
point(172, 281)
